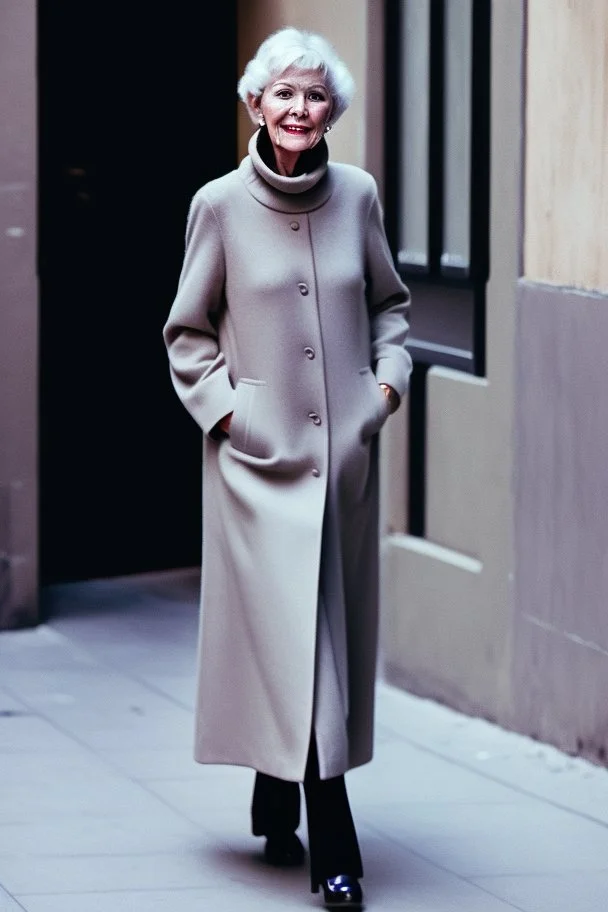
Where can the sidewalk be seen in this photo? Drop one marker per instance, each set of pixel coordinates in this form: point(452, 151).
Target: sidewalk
point(102, 808)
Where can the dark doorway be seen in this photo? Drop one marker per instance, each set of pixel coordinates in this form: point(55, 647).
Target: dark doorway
point(137, 110)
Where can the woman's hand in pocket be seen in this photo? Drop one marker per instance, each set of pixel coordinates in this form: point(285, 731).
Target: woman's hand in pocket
point(224, 424)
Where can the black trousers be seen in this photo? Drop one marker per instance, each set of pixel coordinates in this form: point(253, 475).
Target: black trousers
point(332, 840)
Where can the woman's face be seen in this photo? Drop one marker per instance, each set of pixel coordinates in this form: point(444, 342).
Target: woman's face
point(296, 107)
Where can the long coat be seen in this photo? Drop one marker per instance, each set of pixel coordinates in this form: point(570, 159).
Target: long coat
point(288, 314)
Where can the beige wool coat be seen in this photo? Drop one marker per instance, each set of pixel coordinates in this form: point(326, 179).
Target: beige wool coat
point(288, 314)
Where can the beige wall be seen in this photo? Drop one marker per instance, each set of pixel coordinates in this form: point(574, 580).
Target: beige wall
point(561, 529)
point(448, 598)
point(566, 212)
point(500, 609)
point(18, 315)
point(344, 23)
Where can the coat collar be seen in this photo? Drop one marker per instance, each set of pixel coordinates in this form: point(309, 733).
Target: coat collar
point(302, 193)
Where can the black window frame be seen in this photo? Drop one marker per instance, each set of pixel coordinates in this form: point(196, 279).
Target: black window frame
point(476, 275)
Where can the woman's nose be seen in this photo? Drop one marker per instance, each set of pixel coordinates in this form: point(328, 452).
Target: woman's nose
point(298, 105)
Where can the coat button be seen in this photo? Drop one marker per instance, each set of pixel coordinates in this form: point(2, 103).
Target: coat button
point(303, 288)
point(295, 226)
point(316, 473)
point(309, 352)
point(314, 418)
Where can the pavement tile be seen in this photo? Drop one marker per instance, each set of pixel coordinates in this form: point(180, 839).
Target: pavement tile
point(59, 715)
point(217, 790)
point(155, 763)
point(410, 773)
point(95, 873)
point(142, 646)
point(9, 705)
point(82, 793)
point(218, 898)
point(28, 732)
point(38, 649)
point(38, 787)
point(8, 903)
point(144, 658)
point(179, 687)
point(170, 730)
point(210, 864)
point(134, 721)
point(162, 832)
point(495, 753)
point(398, 880)
point(80, 685)
point(474, 840)
point(555, 893)
point(42, 770)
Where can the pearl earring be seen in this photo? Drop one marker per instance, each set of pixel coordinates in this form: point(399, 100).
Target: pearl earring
point(261, 121)
point(328, 128)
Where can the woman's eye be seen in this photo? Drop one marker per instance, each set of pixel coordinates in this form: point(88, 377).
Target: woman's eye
point(316, 96)
point(283, 93)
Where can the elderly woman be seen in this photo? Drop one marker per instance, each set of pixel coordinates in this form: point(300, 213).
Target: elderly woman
point(286, 343)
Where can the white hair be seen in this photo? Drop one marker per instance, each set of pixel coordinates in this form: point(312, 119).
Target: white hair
point(290, 47)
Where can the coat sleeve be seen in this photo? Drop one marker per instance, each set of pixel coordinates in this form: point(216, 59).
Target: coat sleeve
point(388, 301)
point(198, 368)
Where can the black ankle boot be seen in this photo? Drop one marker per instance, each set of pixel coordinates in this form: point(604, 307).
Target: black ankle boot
point(285, 851)
point(342, 891)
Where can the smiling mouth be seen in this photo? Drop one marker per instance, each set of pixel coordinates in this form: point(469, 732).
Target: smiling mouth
point(294, 129)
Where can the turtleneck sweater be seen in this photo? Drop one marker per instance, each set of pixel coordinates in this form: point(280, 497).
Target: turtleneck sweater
point(298, 193)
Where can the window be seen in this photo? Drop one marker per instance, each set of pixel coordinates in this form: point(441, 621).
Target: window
point(437, 171)
point(437, 180)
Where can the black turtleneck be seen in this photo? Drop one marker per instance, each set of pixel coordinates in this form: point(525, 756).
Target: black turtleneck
point(307, 162)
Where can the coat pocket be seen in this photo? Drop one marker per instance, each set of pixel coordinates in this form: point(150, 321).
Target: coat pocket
point(250, 428)
point(376, 407)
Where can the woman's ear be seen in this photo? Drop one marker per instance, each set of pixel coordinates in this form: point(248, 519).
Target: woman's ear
point(253, 106)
